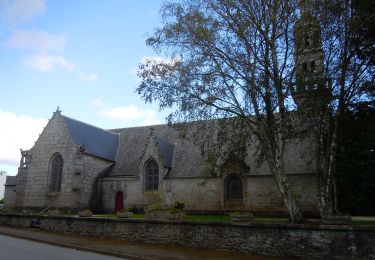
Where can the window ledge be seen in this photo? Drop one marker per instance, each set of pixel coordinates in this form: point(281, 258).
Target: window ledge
point(53, 194)
point(234, 202)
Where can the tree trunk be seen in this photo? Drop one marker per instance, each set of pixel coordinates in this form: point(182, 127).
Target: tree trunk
point(276, 166)
point(290, 202)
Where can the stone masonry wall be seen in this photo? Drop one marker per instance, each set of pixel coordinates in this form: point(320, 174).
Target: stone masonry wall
point(201, 193)
point(79, 171)
point(207, 194)
point(54, 139)
point(301, 241)
point(9, 197)
point(88, 168)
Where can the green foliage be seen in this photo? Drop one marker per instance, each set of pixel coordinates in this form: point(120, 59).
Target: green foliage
point(348, 29)
point(362, 29)
point(153, 197)
point(155, 207)
point(356, 161)
point(2, 201)
point(179, 205)
point(155, 201)
point(85, 213)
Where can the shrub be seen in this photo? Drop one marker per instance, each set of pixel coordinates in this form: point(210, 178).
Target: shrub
point(179, 205)
point(153, 197)
point(85, 213)
point(155, 207)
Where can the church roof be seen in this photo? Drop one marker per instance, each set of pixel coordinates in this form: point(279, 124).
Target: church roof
point(96, 141)
point(180, 155)
point(10, 181)
point(166, 151)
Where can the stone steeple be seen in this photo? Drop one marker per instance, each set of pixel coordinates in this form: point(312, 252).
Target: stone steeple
point(310, 90)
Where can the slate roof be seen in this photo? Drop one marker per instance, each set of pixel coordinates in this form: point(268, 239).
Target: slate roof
point(98, 142)
point(179, 154)
point(10, 181)
point(166, 151)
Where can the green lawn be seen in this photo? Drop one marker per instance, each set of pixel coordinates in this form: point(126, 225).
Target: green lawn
point(357, 220)
point(208, 217)
point(364, 221)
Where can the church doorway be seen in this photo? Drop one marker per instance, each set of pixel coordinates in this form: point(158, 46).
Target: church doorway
point(119, 201)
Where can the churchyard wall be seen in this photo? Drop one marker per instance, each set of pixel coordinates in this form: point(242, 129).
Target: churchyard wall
point(292, 240)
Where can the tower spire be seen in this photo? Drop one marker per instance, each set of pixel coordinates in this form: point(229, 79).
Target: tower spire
point(305, 6)
point(310, 88)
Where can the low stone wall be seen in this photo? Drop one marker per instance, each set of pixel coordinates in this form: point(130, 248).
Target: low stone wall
point(303, 241)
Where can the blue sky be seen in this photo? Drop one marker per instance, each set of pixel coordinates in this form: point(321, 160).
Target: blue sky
point(79, 55)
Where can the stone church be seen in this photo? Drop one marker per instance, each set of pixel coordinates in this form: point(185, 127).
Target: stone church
point(74, 165)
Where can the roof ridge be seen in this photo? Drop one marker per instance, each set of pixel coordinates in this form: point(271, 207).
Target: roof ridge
point(133, 127)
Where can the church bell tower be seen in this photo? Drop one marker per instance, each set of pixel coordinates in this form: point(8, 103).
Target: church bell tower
point(310, 91)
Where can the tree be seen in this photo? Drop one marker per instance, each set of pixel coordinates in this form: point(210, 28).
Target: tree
point(362, 29)
point(350, 71)
point(231, 60)
point(356, 160)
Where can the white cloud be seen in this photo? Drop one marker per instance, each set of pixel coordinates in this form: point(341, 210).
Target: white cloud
point(45, 62)
point(158, 59)
point(129, 115)
point(17, 131)
point(40, 41)
point(88, 77)
point(18, 11)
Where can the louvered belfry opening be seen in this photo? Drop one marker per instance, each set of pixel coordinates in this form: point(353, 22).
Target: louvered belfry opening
point(57, 165)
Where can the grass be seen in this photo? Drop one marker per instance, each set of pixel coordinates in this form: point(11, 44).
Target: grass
point(208, 217)
point(368, 221)
point(222, 218)
point(105, 215)
point(364, 221)
point(277, 220)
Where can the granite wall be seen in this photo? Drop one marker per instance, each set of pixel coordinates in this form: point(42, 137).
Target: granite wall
point(301, 241)
point(260, 193)
point(79, 172)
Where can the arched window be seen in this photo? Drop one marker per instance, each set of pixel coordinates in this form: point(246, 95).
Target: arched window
point(57, 164)
point(233, 188)
point(152, 175)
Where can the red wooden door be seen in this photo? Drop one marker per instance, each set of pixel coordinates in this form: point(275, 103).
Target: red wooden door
point(119, 201)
